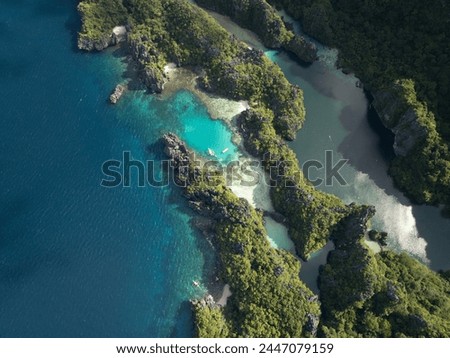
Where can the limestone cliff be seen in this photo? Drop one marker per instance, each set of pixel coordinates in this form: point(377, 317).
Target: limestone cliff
point(401, 119)
point(261, 18)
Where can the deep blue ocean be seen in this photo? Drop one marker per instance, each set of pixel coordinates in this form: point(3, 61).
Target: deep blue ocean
point(81, 260)
point(77, 259)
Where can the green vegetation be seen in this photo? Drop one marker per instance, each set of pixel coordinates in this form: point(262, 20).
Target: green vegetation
point(311, 214)
point(379, 295)
point(429, 160)
point(177, 31)
point(362, 294)
point(100, 17)
point(387, 41)
point(269, 299)
point(261, 18)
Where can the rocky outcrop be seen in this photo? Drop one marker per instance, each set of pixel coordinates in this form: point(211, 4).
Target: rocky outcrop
point(117, 94)
point(255, 15)
point(303, 49)
point(87, 44)
point(206, 201)
point(353, 227)
point(151, 74)
point(348, 277)
point(117, 35)
point(312, 324)
point(180, 158)
point(259, 17)
point(401, 119)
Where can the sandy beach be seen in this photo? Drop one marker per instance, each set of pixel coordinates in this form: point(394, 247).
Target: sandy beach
point(225, 295)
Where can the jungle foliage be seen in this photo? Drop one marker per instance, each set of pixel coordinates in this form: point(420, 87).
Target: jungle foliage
point(387, 41)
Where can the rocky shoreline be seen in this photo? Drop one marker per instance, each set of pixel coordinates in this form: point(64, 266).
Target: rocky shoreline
point(118, 35)
point(225, 213)
point(262, 19)
point(261, 278)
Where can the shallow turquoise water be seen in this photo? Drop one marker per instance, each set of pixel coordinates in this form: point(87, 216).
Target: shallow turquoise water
point(77, 259)
point(199, 131)
point(339, 120)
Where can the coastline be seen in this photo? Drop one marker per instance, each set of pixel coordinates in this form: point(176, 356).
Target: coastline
point(237, 220)
point(227, 111)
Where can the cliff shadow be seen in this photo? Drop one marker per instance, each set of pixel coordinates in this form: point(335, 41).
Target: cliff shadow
point(368, 147)
point(131, 74)
point(73, 25)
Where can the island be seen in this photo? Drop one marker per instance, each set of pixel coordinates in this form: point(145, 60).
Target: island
point(362, 293)
point(402, 63)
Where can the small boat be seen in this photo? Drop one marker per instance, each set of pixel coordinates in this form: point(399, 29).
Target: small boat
point(225, 150)
point(195, 283)
point(211, 152)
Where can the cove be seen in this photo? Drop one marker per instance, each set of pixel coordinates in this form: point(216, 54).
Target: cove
point(77, 259)
point(340, 119)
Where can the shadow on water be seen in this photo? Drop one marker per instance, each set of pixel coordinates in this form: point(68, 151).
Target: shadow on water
point(368, 144)
point(73, 24)
point(131, 72)
point(184, 318)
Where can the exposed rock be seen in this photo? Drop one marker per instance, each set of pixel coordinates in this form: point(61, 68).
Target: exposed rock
point(353, 228)
point(206, 301)
point(391, 292)
point(238, 248)
point(281, 219)
point(312, 324)
point(415, 324)
point(278, 271)
point(207, 201)
point(402, 120)
point(259, 17)
point(117, 94)
point(303, 49)
point(153, 79)
point(100, 44)
point(348, 278)
point(152, 76)
point(117, 35)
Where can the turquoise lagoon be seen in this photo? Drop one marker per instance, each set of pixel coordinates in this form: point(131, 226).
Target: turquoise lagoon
point(77, 259)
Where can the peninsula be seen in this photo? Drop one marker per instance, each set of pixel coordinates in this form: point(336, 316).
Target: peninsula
point(362, 293)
